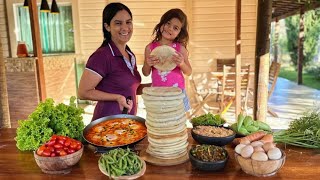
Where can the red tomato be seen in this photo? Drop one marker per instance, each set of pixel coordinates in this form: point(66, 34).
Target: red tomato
point(63, 137)
point(51, 142)
point(57, 151)
point(73, 145)
point(50, 148)
point(57, 146)
point(46, 153)
point(62, 153)
point(54, 137)
point(70, 151)
point(61, 141)
point(53, 154)
point(40, 150)
point(78, 142)
point(79, 146)
point(67, 143)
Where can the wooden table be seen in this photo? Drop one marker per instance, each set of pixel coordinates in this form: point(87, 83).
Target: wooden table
point(300, 164)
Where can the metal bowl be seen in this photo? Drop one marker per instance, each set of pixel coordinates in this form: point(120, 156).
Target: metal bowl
point(108, 118)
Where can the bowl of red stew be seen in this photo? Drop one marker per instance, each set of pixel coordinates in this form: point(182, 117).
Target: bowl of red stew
point(115, 131)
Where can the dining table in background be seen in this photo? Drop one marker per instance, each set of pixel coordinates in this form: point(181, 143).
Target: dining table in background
point(300, 163)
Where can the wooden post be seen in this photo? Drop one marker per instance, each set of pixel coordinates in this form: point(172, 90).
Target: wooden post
point(4, 104)
point(276, 40)
point(300, 46)
point(263, 87)
point(238, 57)
point(37, 49)
point(262, 45)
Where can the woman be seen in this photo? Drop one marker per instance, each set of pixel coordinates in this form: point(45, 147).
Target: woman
point(111, 72)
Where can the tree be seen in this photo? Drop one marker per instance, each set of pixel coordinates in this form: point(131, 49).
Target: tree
point(312, 33)
point(292, 24)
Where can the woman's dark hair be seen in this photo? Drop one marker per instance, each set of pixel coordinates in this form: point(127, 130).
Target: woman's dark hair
point(183, 36)
point(108, 13)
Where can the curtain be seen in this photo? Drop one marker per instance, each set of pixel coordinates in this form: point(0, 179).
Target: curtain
point(56, 30)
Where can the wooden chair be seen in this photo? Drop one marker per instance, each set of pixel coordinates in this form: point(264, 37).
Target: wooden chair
point(273, 76)
point(222, 62)
point(228, 93)
point(200, 97)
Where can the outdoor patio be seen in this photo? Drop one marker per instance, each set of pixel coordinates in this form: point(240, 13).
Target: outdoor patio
point(289, 101)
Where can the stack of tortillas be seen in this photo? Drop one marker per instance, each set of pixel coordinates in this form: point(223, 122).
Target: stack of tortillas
point(166, 122)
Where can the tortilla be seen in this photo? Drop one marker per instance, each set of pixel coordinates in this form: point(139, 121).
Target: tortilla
point(161, 109)
point(164, 53)
point(167, 156)
point(162, 98)
point(163, 143)
point(162, 91)
point(167, 137)
point(166, 115)
point(171, 103)
point(157, 124)
point(167, 132)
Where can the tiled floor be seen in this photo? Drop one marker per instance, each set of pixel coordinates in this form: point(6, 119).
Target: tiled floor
point(289, 101)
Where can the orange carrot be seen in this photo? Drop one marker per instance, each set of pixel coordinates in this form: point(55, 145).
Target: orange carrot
point(236, 141)
point(253, 137)
point(267, 138)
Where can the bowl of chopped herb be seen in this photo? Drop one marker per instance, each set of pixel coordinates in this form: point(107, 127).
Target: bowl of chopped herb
point(208, 157)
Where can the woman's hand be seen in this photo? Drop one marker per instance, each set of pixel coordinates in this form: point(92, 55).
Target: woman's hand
point(178, 59)
point(152, 60)
point(124, 103)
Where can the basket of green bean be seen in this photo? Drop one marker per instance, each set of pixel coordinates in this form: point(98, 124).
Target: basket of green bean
point(121, 164)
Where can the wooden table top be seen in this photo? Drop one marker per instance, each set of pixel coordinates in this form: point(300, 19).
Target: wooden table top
point(300, 163)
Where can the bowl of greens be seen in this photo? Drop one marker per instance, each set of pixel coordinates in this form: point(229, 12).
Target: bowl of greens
point(208, 120)
point(121, 164)
point(208, 157)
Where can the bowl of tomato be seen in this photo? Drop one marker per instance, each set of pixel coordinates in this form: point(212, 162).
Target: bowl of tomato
point(58, 155)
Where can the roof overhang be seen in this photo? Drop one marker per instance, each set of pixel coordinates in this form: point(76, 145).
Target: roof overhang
point(284, 8)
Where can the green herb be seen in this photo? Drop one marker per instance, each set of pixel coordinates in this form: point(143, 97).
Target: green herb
point(48, 119)
point(303, 132)
point(208, 120)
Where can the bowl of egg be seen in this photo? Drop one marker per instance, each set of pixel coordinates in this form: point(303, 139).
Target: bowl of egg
point(260, 158)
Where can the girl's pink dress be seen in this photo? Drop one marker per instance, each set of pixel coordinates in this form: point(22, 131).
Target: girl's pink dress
point(173, 78)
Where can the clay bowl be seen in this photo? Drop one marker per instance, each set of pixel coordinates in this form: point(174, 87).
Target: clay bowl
point(208, 166)
point(260, 168)
point(58, 164)
point(218, 141)
point(134, 176)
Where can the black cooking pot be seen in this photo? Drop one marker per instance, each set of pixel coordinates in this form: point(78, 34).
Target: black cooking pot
point(108, 118)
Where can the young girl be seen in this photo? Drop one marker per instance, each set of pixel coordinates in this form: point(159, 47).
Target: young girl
point(172, 30)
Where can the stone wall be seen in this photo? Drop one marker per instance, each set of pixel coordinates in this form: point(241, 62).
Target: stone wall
point(23, 88)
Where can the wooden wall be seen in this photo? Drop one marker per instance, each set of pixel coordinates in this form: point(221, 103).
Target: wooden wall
point(3, 30)
point(212, 27)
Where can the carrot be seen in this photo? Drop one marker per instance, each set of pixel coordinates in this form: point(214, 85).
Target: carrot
point(253, 137)
point(267, 138)
point(236, 141)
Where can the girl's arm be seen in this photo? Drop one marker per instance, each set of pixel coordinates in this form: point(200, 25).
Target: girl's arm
point(88, 83)
point(146, 68)
point(182, 61)
point(149, 61)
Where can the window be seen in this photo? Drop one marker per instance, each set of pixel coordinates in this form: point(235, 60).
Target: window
point(56, 30)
